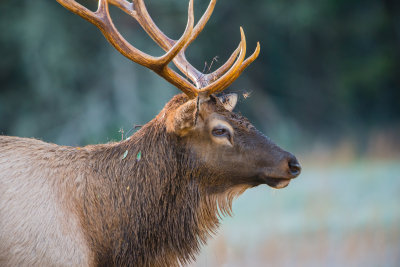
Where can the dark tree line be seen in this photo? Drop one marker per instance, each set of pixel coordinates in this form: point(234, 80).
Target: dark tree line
point(326, 68)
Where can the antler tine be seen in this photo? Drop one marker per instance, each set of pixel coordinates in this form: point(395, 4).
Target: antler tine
point(234, 72)
point(181, 62)
point(211, 77)
point(181, 43)
point(244, 65)
point(216, 85)
point(202, 22)
point(82, 11)
point(125, 6)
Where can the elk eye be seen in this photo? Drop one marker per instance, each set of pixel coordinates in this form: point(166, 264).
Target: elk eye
point(220, 132)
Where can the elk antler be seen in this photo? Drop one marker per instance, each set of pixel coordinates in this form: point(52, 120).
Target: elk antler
point(175, 49)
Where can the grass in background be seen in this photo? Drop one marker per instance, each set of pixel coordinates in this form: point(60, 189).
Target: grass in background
point(346, 214)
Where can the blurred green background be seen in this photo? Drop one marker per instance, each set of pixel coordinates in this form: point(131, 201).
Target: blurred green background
point(326, 86)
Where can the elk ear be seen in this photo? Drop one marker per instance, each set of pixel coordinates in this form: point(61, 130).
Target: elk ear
point(184, 118)
point(229, 101)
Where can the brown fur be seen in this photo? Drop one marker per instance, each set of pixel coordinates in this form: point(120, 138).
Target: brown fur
point(125, 210)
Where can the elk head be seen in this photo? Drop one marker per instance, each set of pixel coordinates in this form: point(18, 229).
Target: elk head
point(223, 141)
point(234, 152)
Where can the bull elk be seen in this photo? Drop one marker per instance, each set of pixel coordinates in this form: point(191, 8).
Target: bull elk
point(151, 200)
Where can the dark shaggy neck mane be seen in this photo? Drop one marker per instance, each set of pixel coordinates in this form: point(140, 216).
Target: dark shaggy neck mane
point(143, 203)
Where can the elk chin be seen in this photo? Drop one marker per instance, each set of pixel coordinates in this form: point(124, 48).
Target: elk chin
point(277, 183)
point(275, 178)
point(271, 181)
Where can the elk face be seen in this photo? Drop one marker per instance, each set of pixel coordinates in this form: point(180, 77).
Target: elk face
point(229, 146)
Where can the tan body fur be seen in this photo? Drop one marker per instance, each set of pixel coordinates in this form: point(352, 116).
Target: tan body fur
point(39, 224)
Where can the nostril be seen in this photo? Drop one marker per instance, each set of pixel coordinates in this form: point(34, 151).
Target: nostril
point(294, 166)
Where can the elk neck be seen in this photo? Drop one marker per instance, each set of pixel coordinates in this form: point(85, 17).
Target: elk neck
point(143, 203)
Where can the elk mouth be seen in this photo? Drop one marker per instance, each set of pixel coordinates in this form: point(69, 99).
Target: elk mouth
point(280, 177)
point(277, 183)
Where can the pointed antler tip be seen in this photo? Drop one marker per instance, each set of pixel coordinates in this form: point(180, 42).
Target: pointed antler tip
point(191, 14)
point(242, 35)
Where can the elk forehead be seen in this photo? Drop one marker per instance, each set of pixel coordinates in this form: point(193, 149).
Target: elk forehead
point(240, 122)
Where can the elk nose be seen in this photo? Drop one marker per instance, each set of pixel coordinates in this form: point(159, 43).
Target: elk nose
point(294, 166)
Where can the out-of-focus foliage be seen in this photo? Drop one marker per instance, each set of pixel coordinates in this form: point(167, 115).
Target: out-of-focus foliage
point(327, 68)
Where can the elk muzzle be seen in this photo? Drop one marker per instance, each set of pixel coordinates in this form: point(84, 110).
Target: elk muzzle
point(280, 176)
